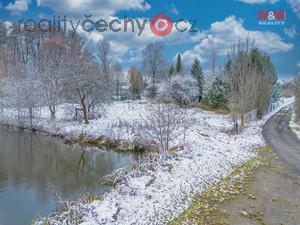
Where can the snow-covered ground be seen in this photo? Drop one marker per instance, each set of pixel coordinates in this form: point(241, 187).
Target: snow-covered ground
point(115, 123)
point(283, 102)
point(155, 193)
point(295, 125)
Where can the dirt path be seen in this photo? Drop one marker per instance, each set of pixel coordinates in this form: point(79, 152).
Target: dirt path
point(276, 186)
point(282, 140)
point(268, 195)
point(275, 198)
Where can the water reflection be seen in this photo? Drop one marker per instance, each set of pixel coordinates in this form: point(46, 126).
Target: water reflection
point(33, 168)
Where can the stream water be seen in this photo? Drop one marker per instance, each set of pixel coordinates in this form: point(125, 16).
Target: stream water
point(36, 169)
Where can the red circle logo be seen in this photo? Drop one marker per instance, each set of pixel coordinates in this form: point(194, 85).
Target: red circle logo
point(161, 24)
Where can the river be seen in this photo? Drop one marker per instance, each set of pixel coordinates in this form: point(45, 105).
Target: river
point(36, 170)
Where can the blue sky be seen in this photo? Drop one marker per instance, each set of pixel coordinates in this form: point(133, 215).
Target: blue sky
point(219, 25)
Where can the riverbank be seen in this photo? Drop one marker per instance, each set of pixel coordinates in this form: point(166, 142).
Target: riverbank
point(157, 191)
point(115, 129)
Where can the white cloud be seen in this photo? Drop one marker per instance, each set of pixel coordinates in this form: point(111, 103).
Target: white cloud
point(291, 31)
point(76, 8)
point(222, 35)
point(295, 4)
point(298, 64)
point(18, 6)
point(173, 9)
point(130, 44)
point(258, 1)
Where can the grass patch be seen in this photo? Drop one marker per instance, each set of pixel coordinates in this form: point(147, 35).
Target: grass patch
point(204, 209)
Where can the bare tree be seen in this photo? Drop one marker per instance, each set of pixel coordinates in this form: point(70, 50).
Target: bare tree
point(25, 94)
point(117, 79)
point(242, 77)
point(297, 97)
point(85, 83)
point(31, 98)
point(51, 70)
point(3, 49)
point(23, 90)
point(135, 83)
point(162, 125)
point(152, 62)
point(104, 51)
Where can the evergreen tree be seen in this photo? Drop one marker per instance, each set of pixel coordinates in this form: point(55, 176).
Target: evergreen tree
point(196, 71)
point(264, 65)
point(217, 94)
point(267, 77)
point(178, 64)
point(171, 70)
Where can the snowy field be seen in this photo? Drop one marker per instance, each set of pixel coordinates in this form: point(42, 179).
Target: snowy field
point(115, 122)
point(159, 194)
point(156, 192)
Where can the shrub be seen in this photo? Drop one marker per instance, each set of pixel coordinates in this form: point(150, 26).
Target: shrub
point(180, 89)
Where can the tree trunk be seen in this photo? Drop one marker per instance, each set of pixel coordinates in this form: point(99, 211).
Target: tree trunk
point(236, 126)
point(200, 98)
point(243, 120)
point(118, 92)
point(31, 117)
point(152, 91)
point(84, 111)
point(52, 111)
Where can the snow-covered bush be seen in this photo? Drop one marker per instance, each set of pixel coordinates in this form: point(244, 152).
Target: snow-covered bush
point(217, 94)
point(162, 124)
point(180, 89)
